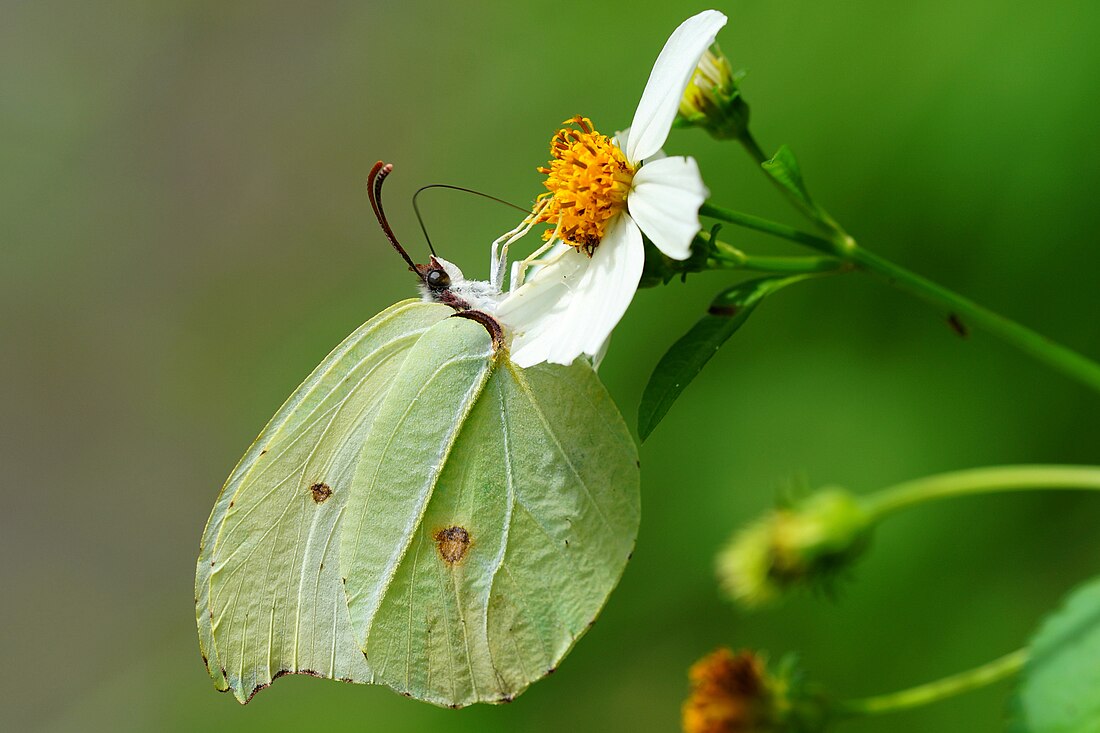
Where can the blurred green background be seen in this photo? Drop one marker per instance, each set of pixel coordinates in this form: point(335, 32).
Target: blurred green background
point(185, 235)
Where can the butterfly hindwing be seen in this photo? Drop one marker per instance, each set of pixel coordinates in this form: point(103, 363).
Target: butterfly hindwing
point(268, 593)
point(492, 514)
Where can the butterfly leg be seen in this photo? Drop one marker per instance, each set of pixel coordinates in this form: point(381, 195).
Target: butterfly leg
point(500, 247)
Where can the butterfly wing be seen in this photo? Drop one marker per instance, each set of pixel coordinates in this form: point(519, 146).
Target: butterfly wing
point(267, 586)
point(492, 512)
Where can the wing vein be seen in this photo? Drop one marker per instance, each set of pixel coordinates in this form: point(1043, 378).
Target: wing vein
point(526, 389)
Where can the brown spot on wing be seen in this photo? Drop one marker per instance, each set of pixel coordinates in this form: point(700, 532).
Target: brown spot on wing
point(320, 491)
point(452, 543)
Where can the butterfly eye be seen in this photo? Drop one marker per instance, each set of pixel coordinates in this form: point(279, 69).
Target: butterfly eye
point(438, 279)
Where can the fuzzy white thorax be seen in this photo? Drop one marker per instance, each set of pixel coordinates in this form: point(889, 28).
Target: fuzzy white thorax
point(478, 294)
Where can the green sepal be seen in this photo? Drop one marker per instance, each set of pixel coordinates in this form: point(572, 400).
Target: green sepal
point(687, 357)
point(802, 705)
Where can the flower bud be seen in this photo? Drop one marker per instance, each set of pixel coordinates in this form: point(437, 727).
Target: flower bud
point(737, 693)
point(712, 99)
point(805, 544)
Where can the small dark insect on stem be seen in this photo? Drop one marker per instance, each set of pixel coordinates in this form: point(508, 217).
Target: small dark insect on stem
point(958, 326)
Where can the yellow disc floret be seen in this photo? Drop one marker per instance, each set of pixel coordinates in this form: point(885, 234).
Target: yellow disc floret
point(588, 180)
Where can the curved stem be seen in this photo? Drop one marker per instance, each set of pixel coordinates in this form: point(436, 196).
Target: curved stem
point(959, 309)
point(956, 684)
point(980, 481)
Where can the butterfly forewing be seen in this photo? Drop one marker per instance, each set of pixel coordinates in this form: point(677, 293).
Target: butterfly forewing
point(420, 513)
point(268, 593)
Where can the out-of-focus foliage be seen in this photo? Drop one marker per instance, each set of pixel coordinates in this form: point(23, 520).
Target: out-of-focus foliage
point(690, 353)
point(186, 235)
point(1058, 689)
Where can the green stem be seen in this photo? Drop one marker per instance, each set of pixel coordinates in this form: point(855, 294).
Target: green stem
point(729, 257)
point(748, 221)
point(811, 211)
point(980, 481)
point(1066, 360)
point(752, 147)
point(960, 310)
point(956, 684)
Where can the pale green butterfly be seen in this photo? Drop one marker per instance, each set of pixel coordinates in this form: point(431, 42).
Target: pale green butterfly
point(420, 513)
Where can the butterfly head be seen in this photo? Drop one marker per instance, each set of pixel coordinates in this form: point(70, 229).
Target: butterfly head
point(440, 281)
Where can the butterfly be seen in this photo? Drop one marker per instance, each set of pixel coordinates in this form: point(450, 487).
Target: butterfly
point(420, 513)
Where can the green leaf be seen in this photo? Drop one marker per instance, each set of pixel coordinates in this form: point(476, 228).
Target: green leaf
point(687, 357)
point(423, 514)
point(783, 167)
point(1060, 688)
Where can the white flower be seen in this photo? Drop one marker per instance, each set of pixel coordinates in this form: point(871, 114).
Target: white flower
point(603, 193)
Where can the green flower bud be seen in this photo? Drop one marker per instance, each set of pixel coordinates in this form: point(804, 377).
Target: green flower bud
point(712, 99)
point(805, 544)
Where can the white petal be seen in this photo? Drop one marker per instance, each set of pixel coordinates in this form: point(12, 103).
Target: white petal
point(670, 76)
point(532, 310)
point(609, 285)
point(552, 254)
point(665, 201)
point(548, 289)
point(571, 306)
point(620, 138)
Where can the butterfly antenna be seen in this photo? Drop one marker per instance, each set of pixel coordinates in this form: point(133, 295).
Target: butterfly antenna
point(422, 189)
point(374, 192)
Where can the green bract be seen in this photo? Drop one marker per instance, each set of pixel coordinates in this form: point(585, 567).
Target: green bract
point(423, 514)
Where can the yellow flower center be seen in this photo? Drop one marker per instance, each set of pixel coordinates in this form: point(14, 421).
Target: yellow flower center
point(588, 180)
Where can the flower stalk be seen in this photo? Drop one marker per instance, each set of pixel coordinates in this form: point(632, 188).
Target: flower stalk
point(726, 256)
point(956, 307)
point(817, 539)
point(930, 692)
point(995, 479)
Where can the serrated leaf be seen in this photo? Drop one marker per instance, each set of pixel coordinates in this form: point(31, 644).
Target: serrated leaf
point(687, 357)
point(1060, 687)
point(784, 169)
